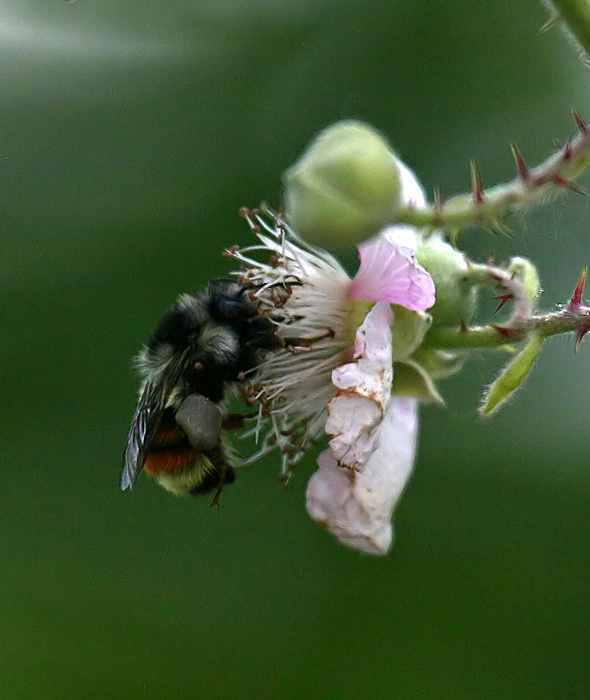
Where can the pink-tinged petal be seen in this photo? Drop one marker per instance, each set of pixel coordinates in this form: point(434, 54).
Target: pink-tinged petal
point(364, 390)
point(390, 272)
point(356, 507)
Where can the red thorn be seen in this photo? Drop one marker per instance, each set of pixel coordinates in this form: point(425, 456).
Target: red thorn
point(582, 330)
point(561, 181)
point(523, 170)
point(567, 151)
point(504, 299)
point(504, 331)
point(476, 183)
point(495, 275)
point(576, 189)
point(576, 300)
point(463, 326)
point(580, 123)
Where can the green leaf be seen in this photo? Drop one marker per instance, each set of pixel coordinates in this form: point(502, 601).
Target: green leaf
point(511, 377)
point(409, 329)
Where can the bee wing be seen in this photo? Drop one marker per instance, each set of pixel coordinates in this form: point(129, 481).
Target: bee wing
point(147, 417)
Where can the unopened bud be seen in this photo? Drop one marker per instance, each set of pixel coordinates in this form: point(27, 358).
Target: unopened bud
point(455, 301)
point(345, 187)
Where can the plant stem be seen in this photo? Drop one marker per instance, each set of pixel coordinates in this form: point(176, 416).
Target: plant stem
point(486, 207)
point(576, 14)
point(492, 336)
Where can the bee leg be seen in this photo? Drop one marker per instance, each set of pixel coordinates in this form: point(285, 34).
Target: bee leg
point(235, 421)
point(227, 475)
point(201, 420)
point(215, 499)
point(208, 487)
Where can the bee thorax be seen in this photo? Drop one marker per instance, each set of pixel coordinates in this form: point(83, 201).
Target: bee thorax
point(219, 344)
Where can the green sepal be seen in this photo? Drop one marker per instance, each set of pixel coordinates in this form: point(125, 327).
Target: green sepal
point(440, 363)
point(408, 331)
point(511, 377)
point(412, 379)
point(527, 274)
point(448, 267)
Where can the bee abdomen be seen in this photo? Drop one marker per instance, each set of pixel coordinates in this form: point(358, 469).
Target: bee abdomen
point(180, 468)
point(222, 472)
point(214, 480)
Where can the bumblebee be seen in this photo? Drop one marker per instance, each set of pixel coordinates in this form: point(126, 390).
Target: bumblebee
point(202, 345)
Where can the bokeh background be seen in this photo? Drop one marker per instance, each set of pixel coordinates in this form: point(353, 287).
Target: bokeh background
point(132, 132)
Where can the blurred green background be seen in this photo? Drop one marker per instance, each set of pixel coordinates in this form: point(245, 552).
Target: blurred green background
point(132, 132)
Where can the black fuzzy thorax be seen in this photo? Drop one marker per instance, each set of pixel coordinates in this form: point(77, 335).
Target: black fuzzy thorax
point(223, 308)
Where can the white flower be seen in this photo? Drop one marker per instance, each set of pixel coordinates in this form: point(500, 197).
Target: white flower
point(356, 506)
point(335, 373)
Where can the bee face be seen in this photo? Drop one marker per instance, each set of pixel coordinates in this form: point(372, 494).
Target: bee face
point(201, 345)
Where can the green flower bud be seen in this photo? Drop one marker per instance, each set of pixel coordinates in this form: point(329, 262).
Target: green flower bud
point(345, 187)
point(455, 301)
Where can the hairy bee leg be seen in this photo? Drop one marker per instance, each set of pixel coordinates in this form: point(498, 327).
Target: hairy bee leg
point(227, 477)
point(215, 499)
point(201, 420)
point(235, 421)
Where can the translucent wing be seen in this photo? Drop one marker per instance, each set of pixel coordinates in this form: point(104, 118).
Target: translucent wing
point(148, 414)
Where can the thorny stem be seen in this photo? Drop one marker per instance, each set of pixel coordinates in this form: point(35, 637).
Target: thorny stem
point(492, 336)
point(522, 322)
point(576, 14)
point(488, 275)
point(486, 207)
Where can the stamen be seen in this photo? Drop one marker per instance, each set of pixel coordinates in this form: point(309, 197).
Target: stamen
point(303, 291)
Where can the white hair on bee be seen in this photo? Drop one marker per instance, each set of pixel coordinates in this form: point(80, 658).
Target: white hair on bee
point(152, 360)
point(219, 342)
point(194, 307)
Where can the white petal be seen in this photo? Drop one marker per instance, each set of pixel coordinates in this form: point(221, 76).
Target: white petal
point(364, 390)
point(356, 507)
